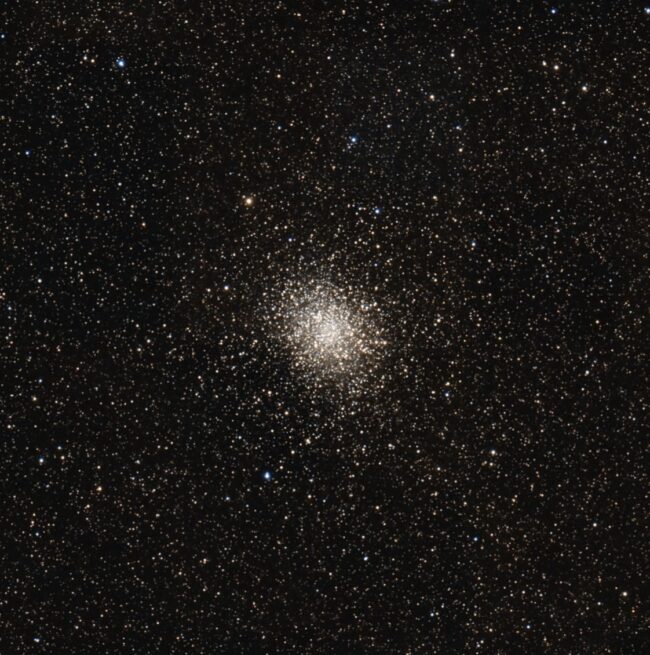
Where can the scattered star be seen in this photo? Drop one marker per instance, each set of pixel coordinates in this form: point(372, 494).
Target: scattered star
point(324, 328)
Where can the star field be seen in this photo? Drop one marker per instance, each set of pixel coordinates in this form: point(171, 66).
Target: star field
point(324, 327)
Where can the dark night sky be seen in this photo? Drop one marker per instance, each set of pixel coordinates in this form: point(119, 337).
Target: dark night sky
point(324, 327)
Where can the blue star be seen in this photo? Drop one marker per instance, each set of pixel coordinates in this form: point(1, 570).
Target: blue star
point(267, 475)
point(554, 10)
point(354, 139)
point(647, 11)
point(377, 211)
point(120, 62)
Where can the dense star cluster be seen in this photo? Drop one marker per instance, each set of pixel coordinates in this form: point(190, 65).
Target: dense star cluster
point(324, 327)
point(332, 337)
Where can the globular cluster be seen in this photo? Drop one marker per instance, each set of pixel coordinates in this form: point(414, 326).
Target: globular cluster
point(332, 337)
point(324, 327)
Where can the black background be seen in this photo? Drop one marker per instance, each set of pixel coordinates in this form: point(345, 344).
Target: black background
point(477, 169)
